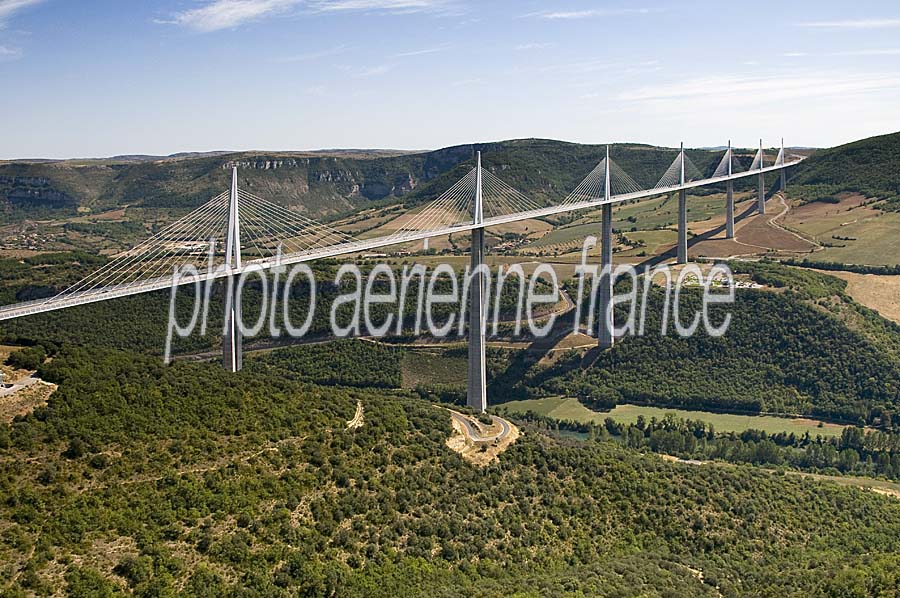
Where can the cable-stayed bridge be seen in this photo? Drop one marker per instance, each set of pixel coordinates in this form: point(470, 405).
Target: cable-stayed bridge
point(257, 234)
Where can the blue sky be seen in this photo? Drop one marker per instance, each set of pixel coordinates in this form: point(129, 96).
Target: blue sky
point(106, 77)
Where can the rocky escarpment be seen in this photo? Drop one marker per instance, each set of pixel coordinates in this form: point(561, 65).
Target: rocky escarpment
point(34, 192)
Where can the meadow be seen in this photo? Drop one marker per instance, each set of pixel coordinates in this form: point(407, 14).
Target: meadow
point(570, 409)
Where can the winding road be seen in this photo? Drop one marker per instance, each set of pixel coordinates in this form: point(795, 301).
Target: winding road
point(473, 431)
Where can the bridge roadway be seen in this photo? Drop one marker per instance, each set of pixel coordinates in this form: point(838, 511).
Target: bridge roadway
point(19, 310)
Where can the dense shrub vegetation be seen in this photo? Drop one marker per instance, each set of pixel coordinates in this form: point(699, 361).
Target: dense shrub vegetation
point(154, 477)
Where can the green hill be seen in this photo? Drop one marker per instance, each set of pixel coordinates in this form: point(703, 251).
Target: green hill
point(183, 480)
point(318, 183)
point(869, 166)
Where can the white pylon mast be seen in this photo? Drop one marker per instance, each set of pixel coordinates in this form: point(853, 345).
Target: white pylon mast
point(729, 157)
point(233, 234)
point(607, 187)
point(479, 212)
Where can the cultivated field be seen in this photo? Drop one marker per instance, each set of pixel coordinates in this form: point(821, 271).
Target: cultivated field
point(853, 232)
point(875, 291)
point(571, 409)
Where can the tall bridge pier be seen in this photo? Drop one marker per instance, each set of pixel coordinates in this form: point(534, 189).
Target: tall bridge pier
point(232, 341)
point(476, 392)
point(761, 200)
point(682, 217)
point(729, 199)
point(606, 324)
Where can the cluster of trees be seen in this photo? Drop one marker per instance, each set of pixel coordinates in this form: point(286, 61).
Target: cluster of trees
point(858, 268)
point(856, 451)
point(339, 363)
point(28, 358)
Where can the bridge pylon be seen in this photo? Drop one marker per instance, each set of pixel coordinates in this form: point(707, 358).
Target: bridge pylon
point(232, 341)
point(682, 251)
point(729, 198)
point(476, 393)
point(606, 322)
point(783, 173)
point(761, 200)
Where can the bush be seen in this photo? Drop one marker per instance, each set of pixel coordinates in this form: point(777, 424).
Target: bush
point(29, 358)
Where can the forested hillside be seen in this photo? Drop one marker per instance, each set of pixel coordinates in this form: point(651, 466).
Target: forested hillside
point(806, 350)
point(317, 184)
point(869, 166)
point(153, 479)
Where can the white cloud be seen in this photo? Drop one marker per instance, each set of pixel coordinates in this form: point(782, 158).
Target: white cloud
point(226, 14)
point(865, 52)
point(316, 54)
point(422, 52)
point(737, 90)
point(401, 6)
point(374, 71)
point(853, 24)
point(7, 53)
point(9, 7)
point(589, 13)
point(534, 46)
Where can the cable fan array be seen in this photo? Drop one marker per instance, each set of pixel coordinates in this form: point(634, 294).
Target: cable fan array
point(185, 242)
point(759, 160)
point(722, 168)
point(672, 177)
point(267, 227)
point(593, 187)
point(500, 199)
point(447, 211)
point(456, 206)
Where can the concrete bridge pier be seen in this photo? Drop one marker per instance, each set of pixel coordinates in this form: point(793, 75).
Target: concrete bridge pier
point(729, 210)
point(682, 217)
point(729, 198)
point(761, 200)
point(232, 342)
point(476, 392)
point(682, 227)
point(606, 322)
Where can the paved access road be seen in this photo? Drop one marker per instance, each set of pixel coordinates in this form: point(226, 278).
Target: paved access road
point(473, 429)
point(18, 385)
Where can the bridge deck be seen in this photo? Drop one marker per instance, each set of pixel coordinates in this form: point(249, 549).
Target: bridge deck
point(92, 296)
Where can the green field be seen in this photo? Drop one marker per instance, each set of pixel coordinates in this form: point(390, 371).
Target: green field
point(570, 409)
point(653, 240)
point(877, 242)
point(645, 216)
